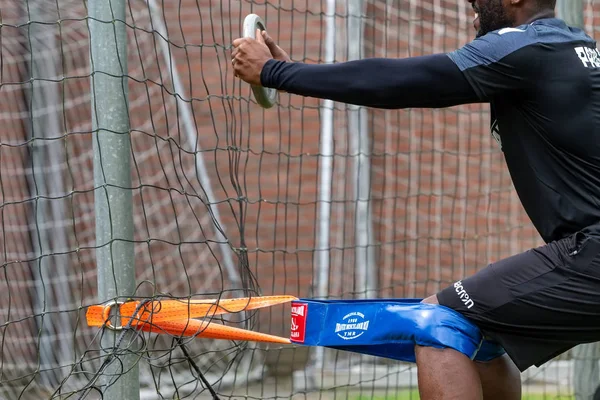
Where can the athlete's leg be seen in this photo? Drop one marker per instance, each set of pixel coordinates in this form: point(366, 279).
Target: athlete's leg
point(500, 379)
point(497, 379)
point(446, 374)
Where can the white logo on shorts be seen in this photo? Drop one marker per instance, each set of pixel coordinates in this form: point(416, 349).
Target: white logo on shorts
point(462, 293)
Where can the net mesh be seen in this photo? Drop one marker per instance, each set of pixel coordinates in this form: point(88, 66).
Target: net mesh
point(226, 195)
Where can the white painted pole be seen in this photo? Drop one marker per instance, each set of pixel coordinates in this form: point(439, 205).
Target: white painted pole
point(366, 275)
point(325, 180)
point(191, 135)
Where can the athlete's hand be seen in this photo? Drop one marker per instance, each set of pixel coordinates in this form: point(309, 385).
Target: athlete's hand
point(249, 56)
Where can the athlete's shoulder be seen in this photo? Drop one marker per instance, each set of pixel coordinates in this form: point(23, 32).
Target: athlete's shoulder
point(498, 44)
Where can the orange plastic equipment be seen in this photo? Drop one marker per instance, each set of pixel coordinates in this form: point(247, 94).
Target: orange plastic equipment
point(178, 317)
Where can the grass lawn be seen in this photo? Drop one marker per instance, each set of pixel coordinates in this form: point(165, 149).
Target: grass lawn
point(414, 395)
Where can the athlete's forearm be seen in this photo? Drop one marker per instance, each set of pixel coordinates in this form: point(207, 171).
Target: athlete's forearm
point(428, 81)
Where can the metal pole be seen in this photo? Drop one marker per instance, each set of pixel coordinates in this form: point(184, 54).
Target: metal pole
point(571, 11)
point(47, 153)
point(366, 277)
point(586, 371)
point(325, 180)
point(192, 138)
point(112, 180)
point(186, 114)
point(585, 357)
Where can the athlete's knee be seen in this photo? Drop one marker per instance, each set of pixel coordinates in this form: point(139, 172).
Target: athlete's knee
point(500, 379)
point(447, 374)
point(431, 300)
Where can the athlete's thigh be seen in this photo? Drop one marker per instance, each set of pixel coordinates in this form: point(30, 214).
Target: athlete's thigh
point(536, 304)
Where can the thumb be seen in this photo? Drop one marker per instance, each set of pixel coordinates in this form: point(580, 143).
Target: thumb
point(268, 40)
point(259, 36)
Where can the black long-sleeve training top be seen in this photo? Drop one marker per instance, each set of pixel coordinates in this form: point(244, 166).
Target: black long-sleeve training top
point(542, 81)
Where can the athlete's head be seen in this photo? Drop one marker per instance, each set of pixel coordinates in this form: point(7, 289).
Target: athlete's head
point(497, 14)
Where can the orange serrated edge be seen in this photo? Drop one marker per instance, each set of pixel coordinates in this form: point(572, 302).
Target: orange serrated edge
point(176, 317)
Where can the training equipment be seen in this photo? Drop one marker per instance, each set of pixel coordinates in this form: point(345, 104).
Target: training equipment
point(264, 97)
point(179, 317)
point(387, 328)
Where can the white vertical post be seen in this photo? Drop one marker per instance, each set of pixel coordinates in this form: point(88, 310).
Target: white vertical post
point(366, 277)
point(191, 134)
point(571, 11)
point(325, 180)
point(586, 373)
point(112, 179)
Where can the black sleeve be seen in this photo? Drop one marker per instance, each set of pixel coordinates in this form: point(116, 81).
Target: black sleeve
point(427, 82)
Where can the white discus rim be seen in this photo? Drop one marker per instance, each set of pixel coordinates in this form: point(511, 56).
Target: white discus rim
point(265, 97)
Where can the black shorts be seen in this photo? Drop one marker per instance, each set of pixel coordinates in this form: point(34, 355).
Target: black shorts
point(537, 304)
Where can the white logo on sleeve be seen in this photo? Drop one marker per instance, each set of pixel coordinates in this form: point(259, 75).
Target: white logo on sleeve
point(589, 57)
point(507, 30)
point(462, 293)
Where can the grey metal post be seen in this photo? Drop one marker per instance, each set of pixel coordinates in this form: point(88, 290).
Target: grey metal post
point(112, 179)
point(55, 347)
point(586, 371)
point(586, 375)
point(42, 295)
point(366, 277)
point(571, 11)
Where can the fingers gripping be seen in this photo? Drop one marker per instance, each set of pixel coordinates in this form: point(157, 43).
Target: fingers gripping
point(259, 36)
point(268, 40)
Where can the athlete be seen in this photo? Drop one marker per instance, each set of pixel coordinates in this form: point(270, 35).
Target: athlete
point(542, 81)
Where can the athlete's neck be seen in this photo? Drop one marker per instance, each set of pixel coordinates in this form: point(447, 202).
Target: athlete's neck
point(527, 18)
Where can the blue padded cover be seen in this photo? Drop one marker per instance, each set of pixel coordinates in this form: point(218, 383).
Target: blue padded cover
point(385, 327)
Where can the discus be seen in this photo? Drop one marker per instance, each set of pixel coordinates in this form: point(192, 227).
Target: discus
point(265, 97)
